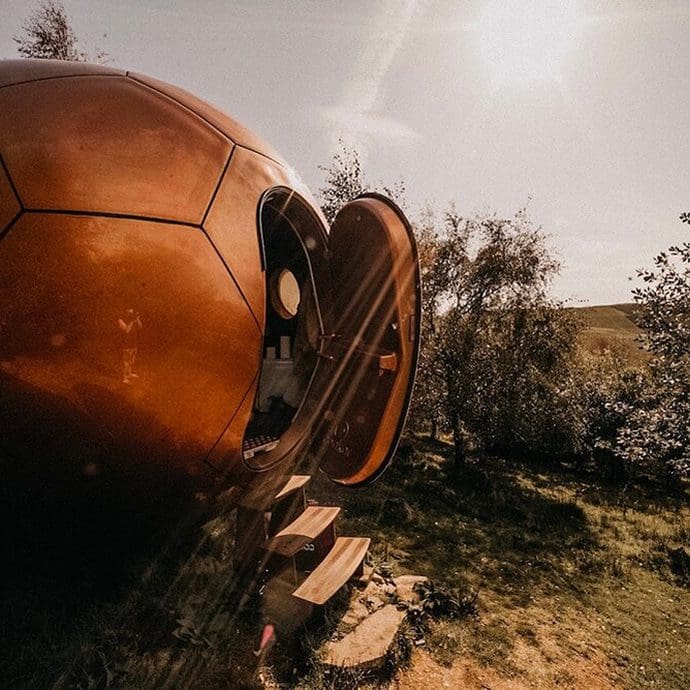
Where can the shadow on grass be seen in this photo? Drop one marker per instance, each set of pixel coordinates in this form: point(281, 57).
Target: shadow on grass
point(102, 556)
point(484, 525)
point(166, 617)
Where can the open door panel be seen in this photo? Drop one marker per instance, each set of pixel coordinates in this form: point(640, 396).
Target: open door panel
point(372, 352)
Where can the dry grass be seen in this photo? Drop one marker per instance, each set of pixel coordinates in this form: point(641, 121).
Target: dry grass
point(574, 583)
point(574, 580)
point(612, 329)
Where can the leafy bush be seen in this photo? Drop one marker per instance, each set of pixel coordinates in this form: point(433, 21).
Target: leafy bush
point(656, 432)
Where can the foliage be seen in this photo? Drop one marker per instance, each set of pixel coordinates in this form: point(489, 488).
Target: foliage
point(345, 181)
point(437, 603)
point(498, 343)
point(500, 367)
point(48, 34)
point(427, 411)
point(605, 387)
point(656, 435)
point(534, 539)
point(495, 347)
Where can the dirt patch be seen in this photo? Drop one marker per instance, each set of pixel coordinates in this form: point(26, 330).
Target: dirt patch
point(549, 650)
point(465, 673)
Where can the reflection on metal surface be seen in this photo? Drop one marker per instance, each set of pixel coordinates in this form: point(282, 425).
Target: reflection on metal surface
point(108, 145)
point(129, 325)
point(168, 292)
point(75, 341)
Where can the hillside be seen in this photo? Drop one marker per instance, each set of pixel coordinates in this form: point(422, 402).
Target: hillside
point(614, 317)
point(611, 328)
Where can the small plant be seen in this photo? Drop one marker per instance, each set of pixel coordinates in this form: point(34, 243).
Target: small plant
point(441, 603)
point(398, 655)
point(437, 604)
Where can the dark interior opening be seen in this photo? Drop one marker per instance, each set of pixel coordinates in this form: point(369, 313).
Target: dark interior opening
point(288, 231)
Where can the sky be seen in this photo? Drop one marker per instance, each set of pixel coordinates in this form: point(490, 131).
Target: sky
point(579, 109)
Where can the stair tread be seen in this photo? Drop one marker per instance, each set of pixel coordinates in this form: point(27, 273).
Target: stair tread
point(296, 482)
point(306, 527)
point(334, 571)
point(260, 494)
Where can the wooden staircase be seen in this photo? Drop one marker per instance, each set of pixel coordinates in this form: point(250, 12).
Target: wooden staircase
point(279, 532)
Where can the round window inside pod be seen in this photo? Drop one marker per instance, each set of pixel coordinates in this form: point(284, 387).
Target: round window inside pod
point(285, 293)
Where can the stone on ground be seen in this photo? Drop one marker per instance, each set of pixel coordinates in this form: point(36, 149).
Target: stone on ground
point(369, 642)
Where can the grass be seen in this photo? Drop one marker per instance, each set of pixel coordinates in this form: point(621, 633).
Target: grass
point(566, 570)
point(573, 580)
point(617, 317)
point(612, 328)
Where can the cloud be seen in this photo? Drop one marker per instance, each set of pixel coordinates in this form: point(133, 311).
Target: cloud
point(356, 127)
point(357, 119)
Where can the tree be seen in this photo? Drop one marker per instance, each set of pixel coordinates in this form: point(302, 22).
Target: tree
point(345, 181)
point(495, 347)
point(48, 34)
point(427, 408)
point(499, 338)
point(656, 436)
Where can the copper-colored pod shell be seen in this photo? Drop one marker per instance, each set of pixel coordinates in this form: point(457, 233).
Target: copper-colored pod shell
point(133, 302)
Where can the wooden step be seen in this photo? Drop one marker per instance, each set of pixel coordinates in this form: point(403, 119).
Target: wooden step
point(335, 570)
point(288, 503)
point(307, 527)
point(295, 483)
point(269, 491)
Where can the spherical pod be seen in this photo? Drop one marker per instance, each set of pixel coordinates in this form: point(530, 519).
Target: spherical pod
point(131, 291)
point(171, 303)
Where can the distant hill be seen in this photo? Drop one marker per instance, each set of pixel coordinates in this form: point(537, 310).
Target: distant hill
point(612, 326)
point(618, 317)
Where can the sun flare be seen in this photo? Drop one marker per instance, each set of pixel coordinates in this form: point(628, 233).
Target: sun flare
point(524, 41)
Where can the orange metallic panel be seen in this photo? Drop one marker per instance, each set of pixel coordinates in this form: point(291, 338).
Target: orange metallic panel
point(124, 343)
point(18, 71)
point(231, 128)
point(232, 223)
point(108, 145)
point(9, 205)
point(373, 354)
point(226, 455)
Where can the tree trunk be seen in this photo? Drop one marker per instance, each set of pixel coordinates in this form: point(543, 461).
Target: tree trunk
point(460, 456)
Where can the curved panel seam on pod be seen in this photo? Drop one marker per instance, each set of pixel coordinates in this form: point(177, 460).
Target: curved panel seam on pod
point(63, 76)
point(217, 442)
point(11, 187)
point(234, 280)
point(110, 214)
point(218, 184)
point(128, 76)
point(150, 219)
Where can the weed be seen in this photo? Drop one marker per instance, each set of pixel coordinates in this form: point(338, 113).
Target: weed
point(490, 644)
point(437, 604)
point(444, 641)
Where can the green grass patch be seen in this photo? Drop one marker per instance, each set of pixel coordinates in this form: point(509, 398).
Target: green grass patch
point(535, 542)
point(571, 578)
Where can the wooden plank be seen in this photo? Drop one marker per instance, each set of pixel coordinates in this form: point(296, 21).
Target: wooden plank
point(309, 525)
point(288, 504)
point(335, 570)
point(266, 491)
point(260, 494)
point(296, 482)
